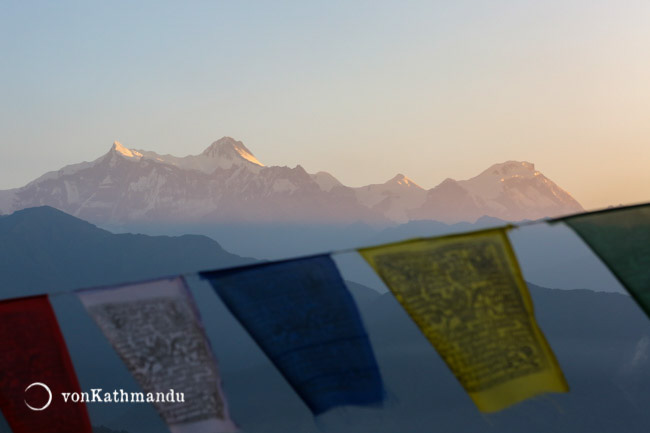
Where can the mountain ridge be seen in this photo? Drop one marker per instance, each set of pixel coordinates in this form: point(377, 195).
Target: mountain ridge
point(226, 183)
point(50, 240)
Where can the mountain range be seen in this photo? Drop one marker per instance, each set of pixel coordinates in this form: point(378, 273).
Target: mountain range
point(226, 183)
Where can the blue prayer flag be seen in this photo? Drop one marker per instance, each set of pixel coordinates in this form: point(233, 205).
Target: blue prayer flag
point(303, 317)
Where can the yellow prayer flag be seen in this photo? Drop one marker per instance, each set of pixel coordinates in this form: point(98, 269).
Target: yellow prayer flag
point(468, 296)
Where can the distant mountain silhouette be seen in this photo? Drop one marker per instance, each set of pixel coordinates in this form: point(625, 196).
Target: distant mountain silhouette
point(550, 255)
point(43, 249)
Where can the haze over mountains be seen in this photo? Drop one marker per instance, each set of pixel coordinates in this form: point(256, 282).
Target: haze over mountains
point(266, 212)
point(227, 184)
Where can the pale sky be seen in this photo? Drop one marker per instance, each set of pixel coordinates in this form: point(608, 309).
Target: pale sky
point(363, 90)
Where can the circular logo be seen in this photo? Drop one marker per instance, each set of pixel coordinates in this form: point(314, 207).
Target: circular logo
point(46, 388)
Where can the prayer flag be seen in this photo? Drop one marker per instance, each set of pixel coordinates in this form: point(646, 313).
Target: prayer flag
point(467, 295)
point(621, 238)
point(35, 369)
point(303, 317)
point(156, 329)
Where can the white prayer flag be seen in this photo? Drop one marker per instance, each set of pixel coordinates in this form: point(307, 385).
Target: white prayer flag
point(156, 329)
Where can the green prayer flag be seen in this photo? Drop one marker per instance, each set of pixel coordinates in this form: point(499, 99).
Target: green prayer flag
point(621, 238)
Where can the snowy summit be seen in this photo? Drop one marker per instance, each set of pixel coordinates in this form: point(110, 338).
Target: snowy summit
point(227, 183)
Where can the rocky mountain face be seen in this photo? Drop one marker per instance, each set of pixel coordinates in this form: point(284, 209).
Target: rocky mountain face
point(510, 191)
point(226, 184)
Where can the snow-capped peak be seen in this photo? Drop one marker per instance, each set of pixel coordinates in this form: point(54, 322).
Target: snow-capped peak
point(490, 183)
point(402, 180)
point(511, 169)
point(394, 198)
point(229, 148)
point(129, 153)
point(512, 190)
point(223, 153)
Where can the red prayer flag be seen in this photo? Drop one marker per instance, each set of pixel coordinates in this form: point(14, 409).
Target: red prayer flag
point(35, 368)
